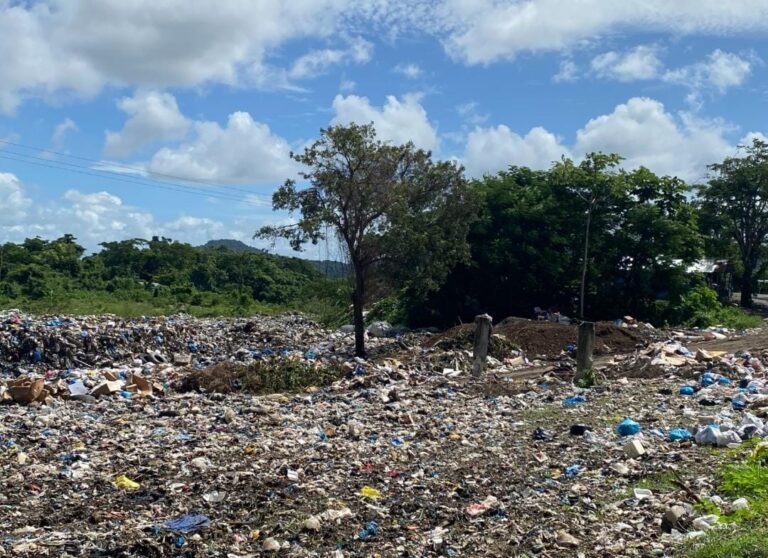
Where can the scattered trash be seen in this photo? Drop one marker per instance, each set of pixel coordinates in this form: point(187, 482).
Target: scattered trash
point(370, 492)
point(388, 456)
point(680, 434)
point(125, 483)
point(627, 427)
point(188, 523)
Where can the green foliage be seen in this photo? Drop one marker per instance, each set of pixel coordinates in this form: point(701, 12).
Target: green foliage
point(736, 202)
point(139, 277)
point(401, 218)
point(390, 309)
point(262, 376)
point(739, 542)
point(588, 380)
point(527, 248)
point(747, 530)
point(700, 307)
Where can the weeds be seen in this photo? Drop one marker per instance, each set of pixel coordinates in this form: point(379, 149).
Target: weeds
point(261, 377)
point(746, 531)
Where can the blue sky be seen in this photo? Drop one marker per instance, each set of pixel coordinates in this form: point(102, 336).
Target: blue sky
point(138, 95)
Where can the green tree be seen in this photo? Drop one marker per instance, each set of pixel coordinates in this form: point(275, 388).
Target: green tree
point(528, 245)
point(592, 183)
point(737, 193)
point(392, 209)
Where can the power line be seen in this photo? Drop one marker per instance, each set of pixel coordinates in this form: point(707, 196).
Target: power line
point(124, 166)
point(62, 166)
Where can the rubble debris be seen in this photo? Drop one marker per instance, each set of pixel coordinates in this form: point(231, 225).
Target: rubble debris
point(387, 456)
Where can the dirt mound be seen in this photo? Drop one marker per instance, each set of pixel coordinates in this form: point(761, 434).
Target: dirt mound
point(544, 338)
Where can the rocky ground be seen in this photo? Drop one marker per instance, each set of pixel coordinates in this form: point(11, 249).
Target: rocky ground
point(400, 456)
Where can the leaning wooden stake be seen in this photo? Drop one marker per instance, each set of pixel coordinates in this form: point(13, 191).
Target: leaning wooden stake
point(482, 339)
point(586, 346)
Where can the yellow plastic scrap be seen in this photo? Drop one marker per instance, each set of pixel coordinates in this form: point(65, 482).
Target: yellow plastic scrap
point(370, 492)
point(125, 483)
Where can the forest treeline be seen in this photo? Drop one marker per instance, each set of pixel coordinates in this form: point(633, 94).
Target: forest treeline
point(426, 246)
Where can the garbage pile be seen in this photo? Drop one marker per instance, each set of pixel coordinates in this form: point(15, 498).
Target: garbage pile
point(392, 458)
point(83, 358)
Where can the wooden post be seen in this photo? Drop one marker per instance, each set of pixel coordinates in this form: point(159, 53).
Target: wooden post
point(483, 326)
point(584, 349)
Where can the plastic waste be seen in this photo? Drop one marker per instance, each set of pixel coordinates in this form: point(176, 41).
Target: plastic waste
point(574, 400)
point(371, 530)
point(627, 427)
point(188, 523)
point(679, 434)
point(370, 492)
point(125, 483)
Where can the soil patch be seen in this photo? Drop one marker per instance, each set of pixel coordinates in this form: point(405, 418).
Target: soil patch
point(545, 339)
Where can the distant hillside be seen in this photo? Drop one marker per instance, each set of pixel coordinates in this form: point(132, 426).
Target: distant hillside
point(329, 268)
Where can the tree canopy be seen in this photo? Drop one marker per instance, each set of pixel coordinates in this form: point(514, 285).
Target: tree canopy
point(399, 215)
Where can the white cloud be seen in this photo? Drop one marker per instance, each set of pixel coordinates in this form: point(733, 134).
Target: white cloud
point(13, 200)
point(494, 149)
point(471, 114)
point(720, 71)
point(483, 31)
point(245, 151)
point(80, 46)
point(153, 117)
point(411, 71)
point(568, 72)
point(399, 120)
point(639, 63)
point(98, 217)
point(61, 130)
point(641, 130)
point(317, 62)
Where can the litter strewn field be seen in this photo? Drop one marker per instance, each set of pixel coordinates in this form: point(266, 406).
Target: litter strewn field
point(392, 457)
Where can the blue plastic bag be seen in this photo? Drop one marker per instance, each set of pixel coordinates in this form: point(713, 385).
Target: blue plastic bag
point(370, 530)
point(627, 427)
point(575, 400)
point(707, 379)
point(679, 434)
point(188, 523)
point(686, 390)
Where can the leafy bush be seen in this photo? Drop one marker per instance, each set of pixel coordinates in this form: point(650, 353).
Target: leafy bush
point(699, 307)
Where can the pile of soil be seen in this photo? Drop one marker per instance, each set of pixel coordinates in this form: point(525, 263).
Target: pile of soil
point(547, 339)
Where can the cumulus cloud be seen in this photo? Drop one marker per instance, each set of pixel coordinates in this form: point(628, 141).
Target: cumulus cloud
point(95, 217)
point(398, 120)
point(568, 72)
point(483, 31)
point(61, 130)
point(317, 62)
point(244, 151)
point(412, 71)
point(13, 200)
point(641, 130)
point(639, 63)
point(496, 148)
point(78, 47)
point(153, 117)
point(81, 46)
point(718, 72)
